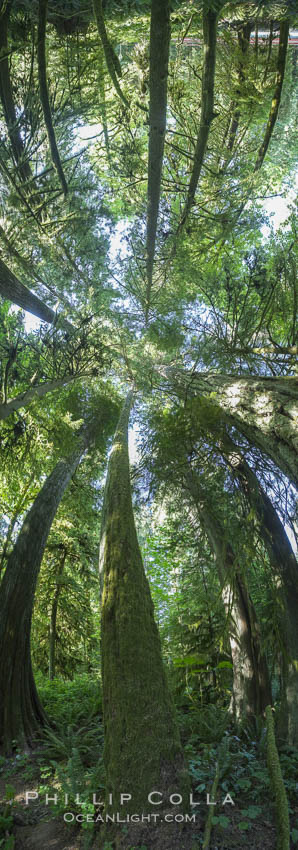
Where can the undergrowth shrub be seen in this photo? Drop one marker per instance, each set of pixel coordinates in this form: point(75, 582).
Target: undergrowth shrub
point(70, 702)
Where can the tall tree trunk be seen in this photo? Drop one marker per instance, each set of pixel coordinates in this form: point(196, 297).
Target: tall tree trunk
point(15, 291)
point(142, 748)
point(280, 73)
point(207, 104)
point(103, 108)
point(6, 96)
point(263, 409)
point(285, 571)
point(53, 618)
point(158, 85)
point(251, 687)
point(44, 94)
point(243, 42)
point(269, 52)
point(112, 61)
point(20, 711)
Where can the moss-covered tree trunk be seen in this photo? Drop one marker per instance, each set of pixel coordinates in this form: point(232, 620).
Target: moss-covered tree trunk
point(251, 686)
point(21, 713)
point(112, 61)
point(207, 103)
point(277, 787)
point(7, 100)
point(264, 409)
point(280, 73)
point(243, 44)
point(158, 86)
point(142, 749)
point(285, 573)
point(44, 94)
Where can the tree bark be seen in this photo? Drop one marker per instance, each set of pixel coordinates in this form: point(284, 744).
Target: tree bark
point(6, 96)
point(142, 748)
point(263, 409)
point(158, 84)
point(21, 713)
point(243, 42)
point(285, 571)
point(112, 61)
point(280, 73)
point(23, 399)
point(251, 686)
point(13, 290)
point(207, 105)
point(44, 94)
point(29, 270)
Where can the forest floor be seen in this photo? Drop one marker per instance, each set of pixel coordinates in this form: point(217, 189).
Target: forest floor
point(35, 826)
point(68, 759)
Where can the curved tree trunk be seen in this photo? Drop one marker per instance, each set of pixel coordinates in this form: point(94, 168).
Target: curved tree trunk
point(251, 686)
point(280, 73)
point(142, 748)
point(264, 410)
point(158, 84)
point(44, 94)
point(285, 571)
point(20, 712)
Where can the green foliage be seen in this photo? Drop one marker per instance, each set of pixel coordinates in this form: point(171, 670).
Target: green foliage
point(221, 820)
point(70, 703)
point(203, 724)
point(7, 841)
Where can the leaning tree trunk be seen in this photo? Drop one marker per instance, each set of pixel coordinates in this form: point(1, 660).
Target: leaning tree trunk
point(280, 73)
point(285, 573)
point(44, 94)
point(112, 61)
point(7, 101)
point(25, 398)
point(142, 749)
point(263, 409)
point(21, 713)
point(15, 291)
point(207, 104)
point(243, 44)
point(251, 687)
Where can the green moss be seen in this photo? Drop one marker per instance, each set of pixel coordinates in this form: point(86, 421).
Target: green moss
point(277, 786)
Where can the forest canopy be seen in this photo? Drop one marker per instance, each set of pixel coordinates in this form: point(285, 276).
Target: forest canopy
point(148, 409)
